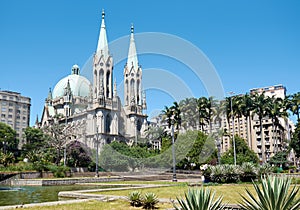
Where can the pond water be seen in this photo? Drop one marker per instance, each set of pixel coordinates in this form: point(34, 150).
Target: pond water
point(36, 194)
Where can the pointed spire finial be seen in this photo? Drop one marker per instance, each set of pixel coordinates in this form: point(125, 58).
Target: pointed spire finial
point(132, 28)
point(102, 47)
point(103, 14)
point(132, 60)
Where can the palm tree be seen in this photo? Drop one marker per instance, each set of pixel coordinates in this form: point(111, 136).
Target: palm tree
point(202, 111)
point(276, 110)
point(260, 102)
point(189, 112)
point(210, 110)
point(295, 104)
point(237, 106)
point(173, 115)
point(246, 110)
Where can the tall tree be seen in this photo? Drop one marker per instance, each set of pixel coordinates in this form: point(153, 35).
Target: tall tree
point(8, 140)
point(276, 110)
point(261, 109)
point(210, 110)
point(35, 139)
point(202, 112)
point(189, 112)
point(295, 142)
point(295, 104)
point(246, 110)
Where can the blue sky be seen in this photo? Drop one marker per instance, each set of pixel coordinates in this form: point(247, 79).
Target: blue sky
point(251, 43)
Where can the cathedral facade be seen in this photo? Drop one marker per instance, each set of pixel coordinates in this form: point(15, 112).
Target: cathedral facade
point(92, 109)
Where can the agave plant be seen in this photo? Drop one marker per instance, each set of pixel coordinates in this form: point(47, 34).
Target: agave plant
point(248, 172)
point(135, 199)
point(150, 200)
point(264, 170)
point(231, 173)
point(199, 199)
point(273, 194)
point(217, 173)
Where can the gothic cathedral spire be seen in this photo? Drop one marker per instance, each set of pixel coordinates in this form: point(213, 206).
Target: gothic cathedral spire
point(102, 48)
point(132, 76)
point(103, 67)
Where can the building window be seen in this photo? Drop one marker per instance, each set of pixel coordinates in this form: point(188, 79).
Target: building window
point(4, 103)
point(3, 109)
point(9, 116)
point(10, 110)
point(10, 104)
point(3, 115)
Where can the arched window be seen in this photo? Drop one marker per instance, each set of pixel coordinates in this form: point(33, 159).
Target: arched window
point(139, 126)
point(132, 83)
point(138, 92)
point(107, 84)
point(101, 75)
point(107, 123)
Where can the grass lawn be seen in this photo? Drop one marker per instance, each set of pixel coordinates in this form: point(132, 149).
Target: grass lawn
point(230, 192)
point(92, 205)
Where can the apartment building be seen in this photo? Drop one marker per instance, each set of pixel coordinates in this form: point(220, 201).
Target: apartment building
point(15, 111)
point(272, 141)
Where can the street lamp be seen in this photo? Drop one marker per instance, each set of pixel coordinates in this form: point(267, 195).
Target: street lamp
point(173, 151)
point(97, 152)
point(233, 130)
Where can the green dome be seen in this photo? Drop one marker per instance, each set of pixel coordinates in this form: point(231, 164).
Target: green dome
point(80, 86)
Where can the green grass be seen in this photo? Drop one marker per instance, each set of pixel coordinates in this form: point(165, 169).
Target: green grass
point(92, 205)
point(230, 192)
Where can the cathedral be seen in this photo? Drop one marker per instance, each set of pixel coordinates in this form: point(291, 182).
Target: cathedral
point(92, 110)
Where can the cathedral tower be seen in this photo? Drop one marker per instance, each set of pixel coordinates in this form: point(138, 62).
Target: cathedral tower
point(102, 69)
point(132, 76)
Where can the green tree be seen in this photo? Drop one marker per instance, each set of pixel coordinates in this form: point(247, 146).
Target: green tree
point(189, 113)
point(246, 110)
point(35, 139)
point(294, 104)
point(202, 111)
point(260, 104)
point(276, 110)
point(8, 140)
point(243, 153)
point(280, 159)
point(295, 142)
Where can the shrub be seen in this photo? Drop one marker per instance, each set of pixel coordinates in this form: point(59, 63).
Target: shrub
point(150, 200)
point(265, 170)
point(231, 173)
point(248, 172)
point(274, 193)
point(58, 171)
point(216, 174)
point(200, 199)
point(135, 199)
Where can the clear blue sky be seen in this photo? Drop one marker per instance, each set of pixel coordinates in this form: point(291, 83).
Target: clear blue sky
point(251, 43)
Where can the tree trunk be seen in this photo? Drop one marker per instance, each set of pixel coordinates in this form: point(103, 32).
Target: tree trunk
point(262, 141)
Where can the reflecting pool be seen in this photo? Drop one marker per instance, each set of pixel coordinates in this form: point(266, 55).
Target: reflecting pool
point(36, 194)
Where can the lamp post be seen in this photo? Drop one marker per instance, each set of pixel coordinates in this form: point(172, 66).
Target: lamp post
point(233, 129)
point(65, 147)
point(173, 151)
point(136, 133)
point(97, 152)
